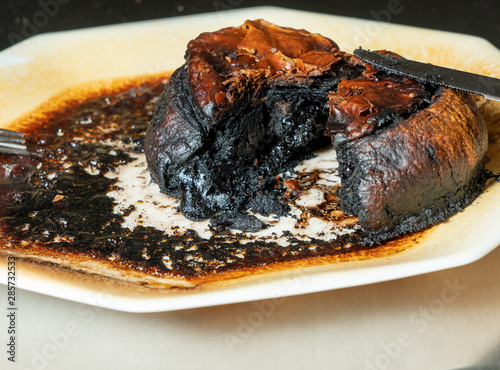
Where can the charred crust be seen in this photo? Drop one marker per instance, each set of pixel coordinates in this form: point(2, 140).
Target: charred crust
point(416, 173)
point(251, 102)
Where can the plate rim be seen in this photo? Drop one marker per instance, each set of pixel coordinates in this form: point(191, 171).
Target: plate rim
point(240, 294)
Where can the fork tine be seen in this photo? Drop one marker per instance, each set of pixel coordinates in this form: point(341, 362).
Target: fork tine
point(14, 151)
point(6, 144)
point(11, 139)
point(6, 132)
point(12, 142)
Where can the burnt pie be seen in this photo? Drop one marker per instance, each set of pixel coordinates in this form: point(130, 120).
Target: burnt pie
point(251, 102)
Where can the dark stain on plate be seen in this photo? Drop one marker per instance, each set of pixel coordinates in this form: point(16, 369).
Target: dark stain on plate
point(57, 199)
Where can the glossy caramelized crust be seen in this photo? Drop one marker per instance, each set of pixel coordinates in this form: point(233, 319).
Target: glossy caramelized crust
point(219, 63)
point(362, 105)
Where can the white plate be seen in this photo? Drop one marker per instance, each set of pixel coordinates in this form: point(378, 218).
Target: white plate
point(38, 68)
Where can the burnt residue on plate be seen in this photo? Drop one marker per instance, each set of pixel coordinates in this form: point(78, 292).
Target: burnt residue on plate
point(58, 198)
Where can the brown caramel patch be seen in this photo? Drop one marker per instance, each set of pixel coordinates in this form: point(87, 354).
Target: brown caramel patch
point(221, 63)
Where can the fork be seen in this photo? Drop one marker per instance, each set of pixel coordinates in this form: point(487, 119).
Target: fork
point(12, 142)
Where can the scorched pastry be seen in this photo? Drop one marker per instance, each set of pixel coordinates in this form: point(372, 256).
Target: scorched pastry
point(251, 102)
point(403, 169)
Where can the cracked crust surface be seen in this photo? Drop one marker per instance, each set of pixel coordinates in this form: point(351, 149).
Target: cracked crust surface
point(418, 172)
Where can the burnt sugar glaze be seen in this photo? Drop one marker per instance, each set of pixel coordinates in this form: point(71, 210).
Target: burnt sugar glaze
point(57, 198)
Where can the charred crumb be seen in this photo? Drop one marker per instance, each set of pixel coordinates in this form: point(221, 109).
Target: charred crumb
point(490, 175)
point(267, 204)
point(224, 222)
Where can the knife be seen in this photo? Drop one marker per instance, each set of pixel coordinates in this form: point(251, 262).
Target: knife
point(488, 87)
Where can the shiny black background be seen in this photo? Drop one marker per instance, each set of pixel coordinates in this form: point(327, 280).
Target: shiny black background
point(20, 19)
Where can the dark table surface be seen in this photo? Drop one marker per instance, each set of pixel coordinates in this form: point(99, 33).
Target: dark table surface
point(20, 19)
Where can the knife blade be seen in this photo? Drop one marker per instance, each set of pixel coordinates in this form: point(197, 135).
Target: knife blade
point(486, 86)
